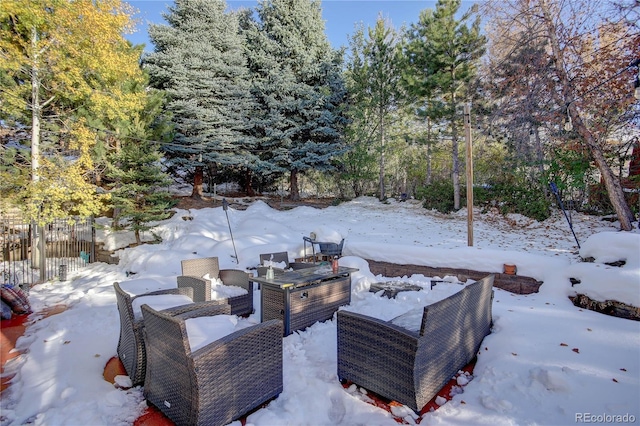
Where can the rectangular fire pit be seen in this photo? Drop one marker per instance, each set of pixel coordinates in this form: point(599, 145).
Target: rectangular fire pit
point(302, 297)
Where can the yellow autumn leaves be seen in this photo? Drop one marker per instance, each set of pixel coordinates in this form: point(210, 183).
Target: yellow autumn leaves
point(64, 64)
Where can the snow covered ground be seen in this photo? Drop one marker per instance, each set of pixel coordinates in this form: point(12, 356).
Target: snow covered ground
point(546, 361)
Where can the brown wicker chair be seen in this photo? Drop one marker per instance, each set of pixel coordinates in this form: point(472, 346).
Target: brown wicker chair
point(411, 366)
point(280, 257)
point(131, 348)
point(217, 383)
point(193, 271)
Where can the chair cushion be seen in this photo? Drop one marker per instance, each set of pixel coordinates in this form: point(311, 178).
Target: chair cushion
point(16, 298)
point(158, 302)
point(203, 330)
point(7, 312)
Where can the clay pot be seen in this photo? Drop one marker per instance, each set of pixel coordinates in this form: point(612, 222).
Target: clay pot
point(510, 269)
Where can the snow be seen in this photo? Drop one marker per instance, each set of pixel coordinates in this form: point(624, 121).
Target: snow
point(545, 362)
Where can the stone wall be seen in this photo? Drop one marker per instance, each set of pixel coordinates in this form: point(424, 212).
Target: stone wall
point(608, 307)
point(514, 283)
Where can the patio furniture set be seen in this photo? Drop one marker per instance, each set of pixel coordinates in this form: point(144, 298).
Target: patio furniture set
point(228, 377)
point(411, 357)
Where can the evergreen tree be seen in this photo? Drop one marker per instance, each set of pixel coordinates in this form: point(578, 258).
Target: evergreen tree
point(199, 61)
point(138, 193)
point(373, 74)
point(299, 87)
point(442, 58)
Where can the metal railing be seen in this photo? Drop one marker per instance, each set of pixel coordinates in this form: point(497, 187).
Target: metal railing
point(33, 254)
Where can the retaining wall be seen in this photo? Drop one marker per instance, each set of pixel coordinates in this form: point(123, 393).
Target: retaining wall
point(514, 283)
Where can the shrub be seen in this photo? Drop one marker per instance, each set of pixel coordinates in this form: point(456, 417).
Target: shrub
point(526, 199)
point(509, 197)
point(437, 196)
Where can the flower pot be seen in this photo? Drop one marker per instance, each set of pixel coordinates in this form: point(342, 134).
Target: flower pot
point(510, 269)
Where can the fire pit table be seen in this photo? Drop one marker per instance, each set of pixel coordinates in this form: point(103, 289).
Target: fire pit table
point(302, 297)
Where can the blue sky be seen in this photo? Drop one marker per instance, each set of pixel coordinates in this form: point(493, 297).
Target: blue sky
point(340, 16)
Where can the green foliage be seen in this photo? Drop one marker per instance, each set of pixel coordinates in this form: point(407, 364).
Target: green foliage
point(138, 194)
point(199, 62)
point(373, 74)
point(524, 198)
point(437, 196)
point(358, 168)
point(298, 86)
point(442, 54)
point(14, 172)
point(570, 169)
point(508, 197)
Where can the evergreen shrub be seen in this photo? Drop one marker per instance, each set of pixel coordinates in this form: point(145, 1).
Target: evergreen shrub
point(509, 197)
point(437, 196)
point(525, 199)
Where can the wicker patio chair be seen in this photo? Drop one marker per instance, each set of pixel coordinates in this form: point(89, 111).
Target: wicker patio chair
point(217, 383)
point(131, 346)
point(193, 271)
point(280, 257)
point(411, 365)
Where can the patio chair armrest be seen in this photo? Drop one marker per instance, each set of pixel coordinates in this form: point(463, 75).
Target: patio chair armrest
point(201, 288)
point(204, 309)
point(180, 291)
point(236, 277)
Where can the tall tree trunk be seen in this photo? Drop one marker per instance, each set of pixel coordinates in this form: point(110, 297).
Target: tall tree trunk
point(38, 260)
point(538, 148)
point(429, 166)
point(198, 179)
point(381, 137)
point(294, 195)
point(36, 111)
point(427, 180)
point(455, 173)
point(248, 188)
point(612, 184)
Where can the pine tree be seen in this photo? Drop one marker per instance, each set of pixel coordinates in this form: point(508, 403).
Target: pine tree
point(199, 61)
point(443, 55)
point(374, 74)
point(299, 87)
point(138, 194)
